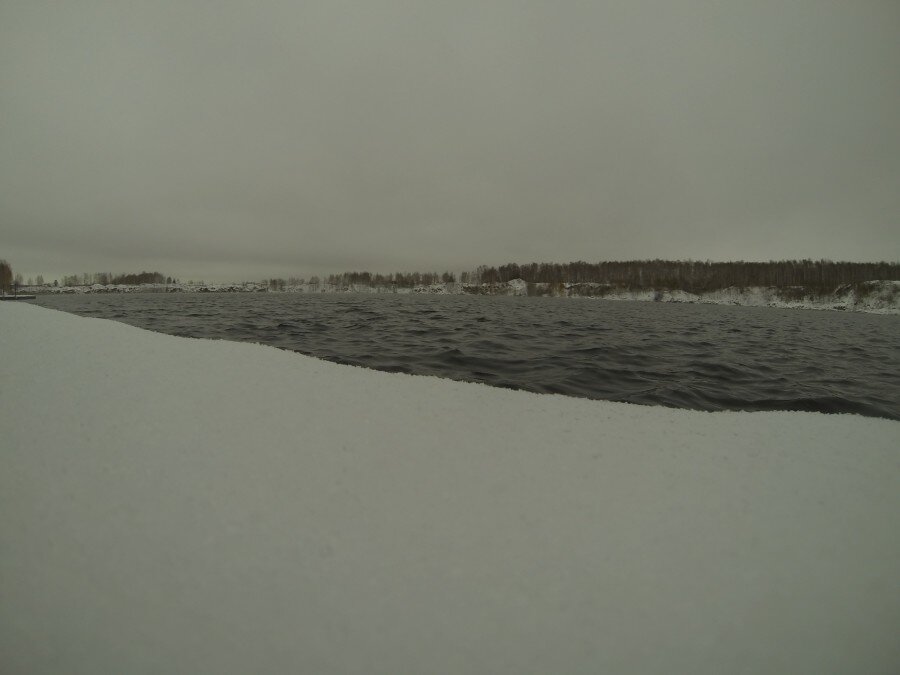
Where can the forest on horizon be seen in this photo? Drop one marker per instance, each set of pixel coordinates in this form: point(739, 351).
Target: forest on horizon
point(689, 276)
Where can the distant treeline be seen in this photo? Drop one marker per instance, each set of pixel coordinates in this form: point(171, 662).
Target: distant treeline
point(695, 277)
point(690, 276)
point(107, 278)
point(403, 279)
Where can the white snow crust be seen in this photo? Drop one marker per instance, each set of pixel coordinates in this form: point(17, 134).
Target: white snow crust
point(170, 505)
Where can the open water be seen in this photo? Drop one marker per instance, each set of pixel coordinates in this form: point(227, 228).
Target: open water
point(705, 357)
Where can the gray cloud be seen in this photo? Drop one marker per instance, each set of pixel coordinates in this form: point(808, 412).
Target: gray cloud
point(235, 139)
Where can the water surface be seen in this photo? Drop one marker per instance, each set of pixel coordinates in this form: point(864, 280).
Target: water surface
point(706, 357)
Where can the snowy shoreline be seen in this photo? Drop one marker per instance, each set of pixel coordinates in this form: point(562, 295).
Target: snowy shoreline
point(879, 297)
point(179, 505)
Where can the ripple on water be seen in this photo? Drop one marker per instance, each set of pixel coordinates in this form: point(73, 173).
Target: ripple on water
point(694, 356)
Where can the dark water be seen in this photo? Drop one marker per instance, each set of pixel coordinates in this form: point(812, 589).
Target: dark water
point(689, 356)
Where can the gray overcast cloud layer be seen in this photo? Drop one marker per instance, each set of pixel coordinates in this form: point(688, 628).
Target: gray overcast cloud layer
point(231, 140)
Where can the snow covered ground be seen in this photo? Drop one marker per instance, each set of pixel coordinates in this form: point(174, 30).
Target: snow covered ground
point(883, 297)
point(189, 506)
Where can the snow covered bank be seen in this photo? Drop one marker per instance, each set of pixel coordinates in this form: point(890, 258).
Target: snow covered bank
point(189, 506)
point(876, 297)
point(880, 297)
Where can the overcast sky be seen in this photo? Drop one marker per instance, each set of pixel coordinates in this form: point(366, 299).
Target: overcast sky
point(232, 140)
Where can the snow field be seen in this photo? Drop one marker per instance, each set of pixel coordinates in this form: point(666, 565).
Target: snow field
point(194, 506)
